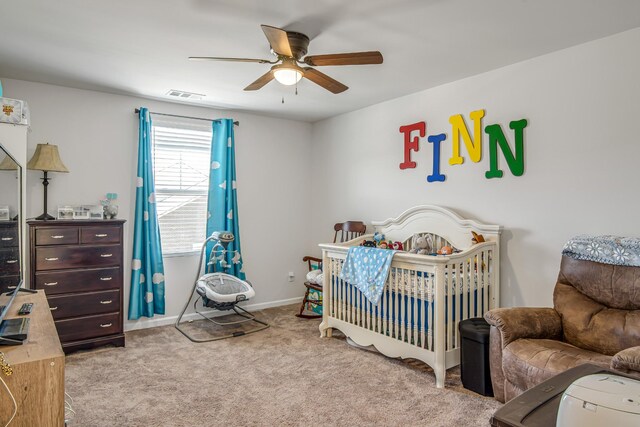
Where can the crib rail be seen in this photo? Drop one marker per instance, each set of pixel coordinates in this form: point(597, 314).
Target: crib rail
point(423, 301)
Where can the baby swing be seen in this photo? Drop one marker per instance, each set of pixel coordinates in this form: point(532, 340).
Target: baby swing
point(220, 291)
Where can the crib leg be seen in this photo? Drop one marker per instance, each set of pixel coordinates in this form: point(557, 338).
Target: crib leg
point(325, 331)
point(441, 373)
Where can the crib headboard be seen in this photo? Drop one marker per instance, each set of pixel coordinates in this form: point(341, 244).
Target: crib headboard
point(437, 221)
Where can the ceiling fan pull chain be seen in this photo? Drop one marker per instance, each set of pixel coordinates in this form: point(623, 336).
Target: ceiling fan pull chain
point(283, 99)
point(296, 88)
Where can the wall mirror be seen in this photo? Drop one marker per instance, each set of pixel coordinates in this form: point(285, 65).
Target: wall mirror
point(10, 229)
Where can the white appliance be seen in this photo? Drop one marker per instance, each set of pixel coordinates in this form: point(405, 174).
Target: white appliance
point(600, 400)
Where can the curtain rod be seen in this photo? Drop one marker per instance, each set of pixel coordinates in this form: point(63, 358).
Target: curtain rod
point(137, 110)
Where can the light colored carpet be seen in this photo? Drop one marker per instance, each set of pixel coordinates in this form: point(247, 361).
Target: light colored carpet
point(283, 376)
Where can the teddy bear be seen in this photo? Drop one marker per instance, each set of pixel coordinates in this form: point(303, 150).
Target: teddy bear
point(421, 245)
point(398, 246)
point(368, 244)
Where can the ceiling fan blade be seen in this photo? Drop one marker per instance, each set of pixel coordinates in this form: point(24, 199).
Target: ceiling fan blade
point(262, 80)
point(353, 58)
point(325, 81)
point(278, 40)
point(219, 58)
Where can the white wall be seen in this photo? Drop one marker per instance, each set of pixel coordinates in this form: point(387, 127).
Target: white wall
point(581, 166)
point(97, 135)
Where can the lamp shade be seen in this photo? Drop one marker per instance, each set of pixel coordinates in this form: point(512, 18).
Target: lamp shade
point(47, 158)
point(288, 73)
point(7, 164)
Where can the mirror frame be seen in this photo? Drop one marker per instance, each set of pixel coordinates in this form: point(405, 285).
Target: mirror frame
point(20, 219)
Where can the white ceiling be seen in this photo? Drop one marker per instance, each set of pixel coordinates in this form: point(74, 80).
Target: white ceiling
point(141, 47)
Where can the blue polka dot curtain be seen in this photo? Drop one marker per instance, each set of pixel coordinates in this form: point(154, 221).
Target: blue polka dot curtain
point(147, 270)
point(222, 203)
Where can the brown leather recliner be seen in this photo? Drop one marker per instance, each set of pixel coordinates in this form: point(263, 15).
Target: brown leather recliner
point(595, 319)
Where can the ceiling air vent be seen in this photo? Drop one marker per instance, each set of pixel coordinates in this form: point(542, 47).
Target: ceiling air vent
point(184, 95)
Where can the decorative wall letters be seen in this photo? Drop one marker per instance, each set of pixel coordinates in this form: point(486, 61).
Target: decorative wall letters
point(460, 134)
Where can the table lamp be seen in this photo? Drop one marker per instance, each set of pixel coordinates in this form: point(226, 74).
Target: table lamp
point(46, 159)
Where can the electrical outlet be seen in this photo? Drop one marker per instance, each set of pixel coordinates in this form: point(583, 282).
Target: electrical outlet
point(291, 276)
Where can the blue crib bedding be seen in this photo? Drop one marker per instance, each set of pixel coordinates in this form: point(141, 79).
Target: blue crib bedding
point(383, 309)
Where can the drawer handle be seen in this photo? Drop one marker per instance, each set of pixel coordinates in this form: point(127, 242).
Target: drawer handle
point(53, 308)
point(50, 284)
point(12, 287)
point(101, 235)
point(58, 236)
point(106, 279)
point(51, 259)
point(105, 325)
point(7, 239)
point(12, 261)
point(106, 302)
point(106, 255)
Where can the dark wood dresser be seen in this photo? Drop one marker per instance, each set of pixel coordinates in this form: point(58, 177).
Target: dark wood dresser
point(79, 266)
point(9, 256)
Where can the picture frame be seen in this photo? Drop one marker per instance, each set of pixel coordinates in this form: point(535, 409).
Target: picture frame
point(81, 212)
point(65, 212)
point(5, 214)
point(95, 211)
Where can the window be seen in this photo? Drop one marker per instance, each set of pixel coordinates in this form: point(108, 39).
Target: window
point(181, 153)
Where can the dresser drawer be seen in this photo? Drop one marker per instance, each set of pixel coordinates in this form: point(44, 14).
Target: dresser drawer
point(57, 236)
point(52, 258)
point(68, 281)
point(74, 305)
point(106, 234)
point(86, 327)
point(8, 283)
point(9, 261)
point(9, 237)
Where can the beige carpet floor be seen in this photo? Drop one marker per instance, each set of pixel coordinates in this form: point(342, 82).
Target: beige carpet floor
point(283, 376)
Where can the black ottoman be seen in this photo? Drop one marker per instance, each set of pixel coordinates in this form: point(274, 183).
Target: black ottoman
point(474, 356)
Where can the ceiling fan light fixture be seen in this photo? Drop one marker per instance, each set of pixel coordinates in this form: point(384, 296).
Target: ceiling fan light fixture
point(287, 73)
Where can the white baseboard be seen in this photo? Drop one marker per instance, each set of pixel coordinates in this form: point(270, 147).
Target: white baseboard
point(170, 320)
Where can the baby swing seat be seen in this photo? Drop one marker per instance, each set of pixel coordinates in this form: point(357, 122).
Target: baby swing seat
point(221, 291)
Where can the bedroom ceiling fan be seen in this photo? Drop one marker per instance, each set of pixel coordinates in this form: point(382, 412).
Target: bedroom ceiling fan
point(290, 47)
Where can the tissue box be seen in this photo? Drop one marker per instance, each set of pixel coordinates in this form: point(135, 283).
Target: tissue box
point(12, 111)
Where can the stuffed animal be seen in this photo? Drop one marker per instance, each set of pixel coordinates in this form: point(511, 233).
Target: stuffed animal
point(378, 238)
point(421, 245)
point(383, 245)
point(396, 246)
point(368, 244)
point(477, 238)
point(445, 250)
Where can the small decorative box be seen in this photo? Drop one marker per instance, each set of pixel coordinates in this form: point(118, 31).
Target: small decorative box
point(11, 111)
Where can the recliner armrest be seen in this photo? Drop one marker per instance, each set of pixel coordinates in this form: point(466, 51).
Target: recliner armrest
point(525, 322)
point(627, 360)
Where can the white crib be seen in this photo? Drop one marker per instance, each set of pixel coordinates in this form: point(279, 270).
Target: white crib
point(425, 296)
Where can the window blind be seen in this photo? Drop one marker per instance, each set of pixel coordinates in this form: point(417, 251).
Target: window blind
point(181, 152)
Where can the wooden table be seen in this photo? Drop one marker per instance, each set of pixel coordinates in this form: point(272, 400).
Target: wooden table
point(37, 382)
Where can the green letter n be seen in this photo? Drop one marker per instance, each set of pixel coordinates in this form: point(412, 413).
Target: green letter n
point(496, 137)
